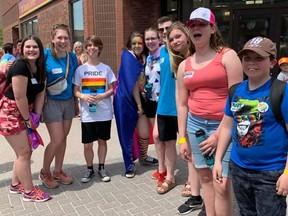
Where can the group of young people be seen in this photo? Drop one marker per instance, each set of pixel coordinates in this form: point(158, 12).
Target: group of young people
point(180, 85)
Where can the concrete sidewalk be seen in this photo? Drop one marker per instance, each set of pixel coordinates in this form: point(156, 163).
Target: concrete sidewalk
point(121, 196)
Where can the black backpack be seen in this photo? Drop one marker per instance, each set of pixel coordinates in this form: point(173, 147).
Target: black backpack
point(277, 92)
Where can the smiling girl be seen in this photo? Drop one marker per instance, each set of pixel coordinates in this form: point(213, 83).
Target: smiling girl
point(60, 108)
point(27, 79)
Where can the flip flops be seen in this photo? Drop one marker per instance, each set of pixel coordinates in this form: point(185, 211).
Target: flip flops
point(165, 187)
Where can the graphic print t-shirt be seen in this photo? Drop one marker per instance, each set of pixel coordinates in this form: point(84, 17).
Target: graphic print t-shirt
point(260, 142)
point(95, 80)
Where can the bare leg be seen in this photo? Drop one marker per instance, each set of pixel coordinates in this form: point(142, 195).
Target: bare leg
point(223, 198)
point(102, 151)
point(22, 164)
point(88, 153)
point(206, 180)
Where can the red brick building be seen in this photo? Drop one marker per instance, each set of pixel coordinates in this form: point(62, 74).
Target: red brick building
point(114, 20)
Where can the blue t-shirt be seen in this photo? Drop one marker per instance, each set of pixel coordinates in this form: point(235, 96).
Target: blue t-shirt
point(260, 142)
point(6, 58)
point(167, 101)
point(56, 68)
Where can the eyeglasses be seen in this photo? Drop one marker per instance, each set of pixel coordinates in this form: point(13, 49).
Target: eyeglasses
point(161, 30)
point(151, 39)
point(56, 26)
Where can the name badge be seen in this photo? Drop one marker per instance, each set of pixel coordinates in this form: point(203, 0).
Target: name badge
point(34, 81)
point(56, 70)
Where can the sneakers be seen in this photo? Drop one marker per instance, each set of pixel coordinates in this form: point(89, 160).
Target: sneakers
point(131, 172)
point(48, 180)
point(62, 177)
point(156, 175)
point(17, 189)
point(36, 195)
point(193, 203)
point(87, 176)
point(103, 175)
point(150, 161)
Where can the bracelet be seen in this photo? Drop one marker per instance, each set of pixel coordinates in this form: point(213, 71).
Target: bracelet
point(26, 120)
point(139, 105)
point(182, 140)
point(285, 172)
point(82, 96)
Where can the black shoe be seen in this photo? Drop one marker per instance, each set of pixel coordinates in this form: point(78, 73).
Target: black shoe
point(131, 172)
point(150, 161)
point(193, 203)
point(87, 176)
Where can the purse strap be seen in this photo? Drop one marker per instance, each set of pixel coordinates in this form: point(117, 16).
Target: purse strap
point(67, 64)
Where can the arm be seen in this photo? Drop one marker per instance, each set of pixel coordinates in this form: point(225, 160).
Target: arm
point(19, 85)
point(39, 101)
point(223, 143)
point(137, 99)
point(182, 110)
point(106, 94)
point(233, 67)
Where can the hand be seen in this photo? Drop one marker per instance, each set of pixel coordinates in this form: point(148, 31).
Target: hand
point(217, 172)
point(209, 145)
point(140, 111)
point(99, 97)
point(282, 185)
point(88, 98)
point(185, 152)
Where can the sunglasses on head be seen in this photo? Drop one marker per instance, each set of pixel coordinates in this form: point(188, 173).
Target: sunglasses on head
point(161, 30)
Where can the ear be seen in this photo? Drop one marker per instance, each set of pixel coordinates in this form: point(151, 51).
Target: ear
point(272, 63)
point(213, 29)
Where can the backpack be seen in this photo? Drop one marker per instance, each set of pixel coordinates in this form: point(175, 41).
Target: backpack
point(277, 92)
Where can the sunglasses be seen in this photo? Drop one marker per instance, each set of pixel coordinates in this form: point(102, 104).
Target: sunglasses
point(161, 30)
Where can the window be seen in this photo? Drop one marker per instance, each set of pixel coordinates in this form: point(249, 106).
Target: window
point(78, 23)
point(29, 27)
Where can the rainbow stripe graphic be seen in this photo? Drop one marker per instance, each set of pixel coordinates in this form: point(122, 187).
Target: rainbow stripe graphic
point(98, 84)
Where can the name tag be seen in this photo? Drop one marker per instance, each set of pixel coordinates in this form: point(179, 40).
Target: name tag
point(56, 70)
point(34, 81)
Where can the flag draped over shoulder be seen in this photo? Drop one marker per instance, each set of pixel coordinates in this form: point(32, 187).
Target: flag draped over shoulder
point(125, 108)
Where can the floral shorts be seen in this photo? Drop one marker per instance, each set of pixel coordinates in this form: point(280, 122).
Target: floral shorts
point(11, 120)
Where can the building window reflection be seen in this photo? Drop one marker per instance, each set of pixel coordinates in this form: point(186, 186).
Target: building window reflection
point(30, 27)
point(77, 21)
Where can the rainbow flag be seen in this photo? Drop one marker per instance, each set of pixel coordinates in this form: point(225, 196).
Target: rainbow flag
point(97, 85)
point(125, 108)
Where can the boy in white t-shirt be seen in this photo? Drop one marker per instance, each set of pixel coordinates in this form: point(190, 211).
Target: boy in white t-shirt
point(283, 64)
point(93, 85)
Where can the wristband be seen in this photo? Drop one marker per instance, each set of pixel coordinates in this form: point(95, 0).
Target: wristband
point(26, 120)
point(139, 105)
point(285, 172)
point(82, 96)
point(182, 140)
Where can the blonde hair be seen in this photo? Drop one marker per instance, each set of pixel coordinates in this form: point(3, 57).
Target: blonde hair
point(176, 57)
point(77, 44)
point(54, 30)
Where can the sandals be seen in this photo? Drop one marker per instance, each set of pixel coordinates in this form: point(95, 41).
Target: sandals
point(165, 187)
point(186, 192)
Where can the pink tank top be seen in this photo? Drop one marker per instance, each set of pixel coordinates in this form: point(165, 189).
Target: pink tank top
point(208, 88)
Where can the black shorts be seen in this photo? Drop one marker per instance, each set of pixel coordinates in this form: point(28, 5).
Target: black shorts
point(167, 127)
point(92, 131)
point(150, 109)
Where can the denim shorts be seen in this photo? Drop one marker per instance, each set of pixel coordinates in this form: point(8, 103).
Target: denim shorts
point(209, 126)
point(255, 191)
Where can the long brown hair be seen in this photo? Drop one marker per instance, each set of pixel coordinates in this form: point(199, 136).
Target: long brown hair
point(40, 63)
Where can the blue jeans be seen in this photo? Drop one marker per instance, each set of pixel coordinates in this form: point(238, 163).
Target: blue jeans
point(255, 192)
point(209, 126)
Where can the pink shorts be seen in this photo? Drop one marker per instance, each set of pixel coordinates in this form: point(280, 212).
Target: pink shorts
point(11, 120)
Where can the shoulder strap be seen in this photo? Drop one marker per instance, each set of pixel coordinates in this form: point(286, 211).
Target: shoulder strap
point(277, 92)
point(67, 64)
point(232, 90)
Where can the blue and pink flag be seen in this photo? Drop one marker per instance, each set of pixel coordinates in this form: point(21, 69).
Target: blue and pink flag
point(125, 108)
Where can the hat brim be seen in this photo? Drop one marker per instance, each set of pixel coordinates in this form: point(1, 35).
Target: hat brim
point(189, 22)
point(256, 50)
